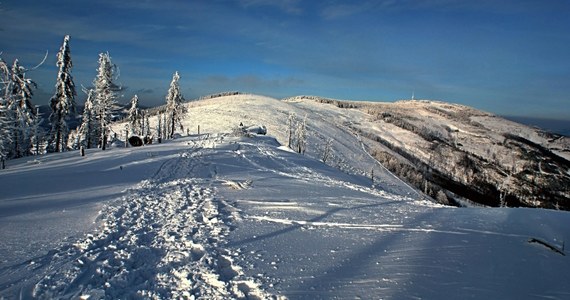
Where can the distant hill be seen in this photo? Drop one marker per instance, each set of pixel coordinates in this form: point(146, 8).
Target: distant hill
point(550, 125)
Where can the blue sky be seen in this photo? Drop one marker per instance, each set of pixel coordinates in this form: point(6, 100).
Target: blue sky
point(507, 57)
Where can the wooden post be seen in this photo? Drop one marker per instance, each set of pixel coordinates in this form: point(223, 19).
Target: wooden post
point(82, 150)
point(126, 138)
point(198, 129)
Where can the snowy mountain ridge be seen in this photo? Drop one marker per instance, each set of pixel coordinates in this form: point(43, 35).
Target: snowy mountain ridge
point(218, 216)
point(449, 151)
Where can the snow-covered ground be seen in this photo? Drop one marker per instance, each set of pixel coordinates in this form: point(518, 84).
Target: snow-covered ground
point(213, 216)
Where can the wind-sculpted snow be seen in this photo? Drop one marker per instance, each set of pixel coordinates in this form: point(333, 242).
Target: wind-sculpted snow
point(164, 240)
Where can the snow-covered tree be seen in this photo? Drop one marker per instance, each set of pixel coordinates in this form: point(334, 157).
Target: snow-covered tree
point(134, 117)
point(159, 129)
point(37, 134)
point(147, 126)
point(5, 121)
point(290, 130)
point(22, 88)
point(21, 110)
point(174, 107)
point(5, 134)
point(301, 136)
point(165, 126)
point(104, 102)
point(143, 115)
point(441, 197)
point(63, 101)
point(326, 151)
point(88, 131)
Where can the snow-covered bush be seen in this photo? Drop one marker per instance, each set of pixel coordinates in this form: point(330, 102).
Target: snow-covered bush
point(256, 129)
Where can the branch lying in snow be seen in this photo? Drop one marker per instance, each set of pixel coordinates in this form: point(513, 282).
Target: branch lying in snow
point(545, 244)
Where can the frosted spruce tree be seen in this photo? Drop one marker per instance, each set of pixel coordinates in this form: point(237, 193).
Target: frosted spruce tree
point(63, 101)
point(88, 131)
point(104, 102)
point(174, 108)
point(5, 121)
point(20, 110)
point(134, 117)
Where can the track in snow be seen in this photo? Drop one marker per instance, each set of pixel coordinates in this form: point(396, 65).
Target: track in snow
point(165, 239)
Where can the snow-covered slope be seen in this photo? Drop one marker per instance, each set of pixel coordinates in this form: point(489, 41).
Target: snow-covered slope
point(224, 114)
point(454, 151)
point(213, 216)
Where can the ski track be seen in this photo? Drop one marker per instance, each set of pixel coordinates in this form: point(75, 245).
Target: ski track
point(376, 227)
point(164, 240)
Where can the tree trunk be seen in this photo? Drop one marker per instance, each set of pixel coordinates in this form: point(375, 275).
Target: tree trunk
point(58, 134)
point(16, 144)
point(172, 126)
point(104, 142)
point(88, 135)
point(57, 140)
point(103, 138)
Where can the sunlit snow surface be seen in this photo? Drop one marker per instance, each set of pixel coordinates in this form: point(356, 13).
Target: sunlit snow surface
point(218, 217)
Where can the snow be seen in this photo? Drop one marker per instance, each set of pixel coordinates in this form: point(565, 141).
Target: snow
point(213, 216)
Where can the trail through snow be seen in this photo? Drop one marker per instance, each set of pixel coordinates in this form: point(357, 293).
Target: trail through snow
point(165, 239)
